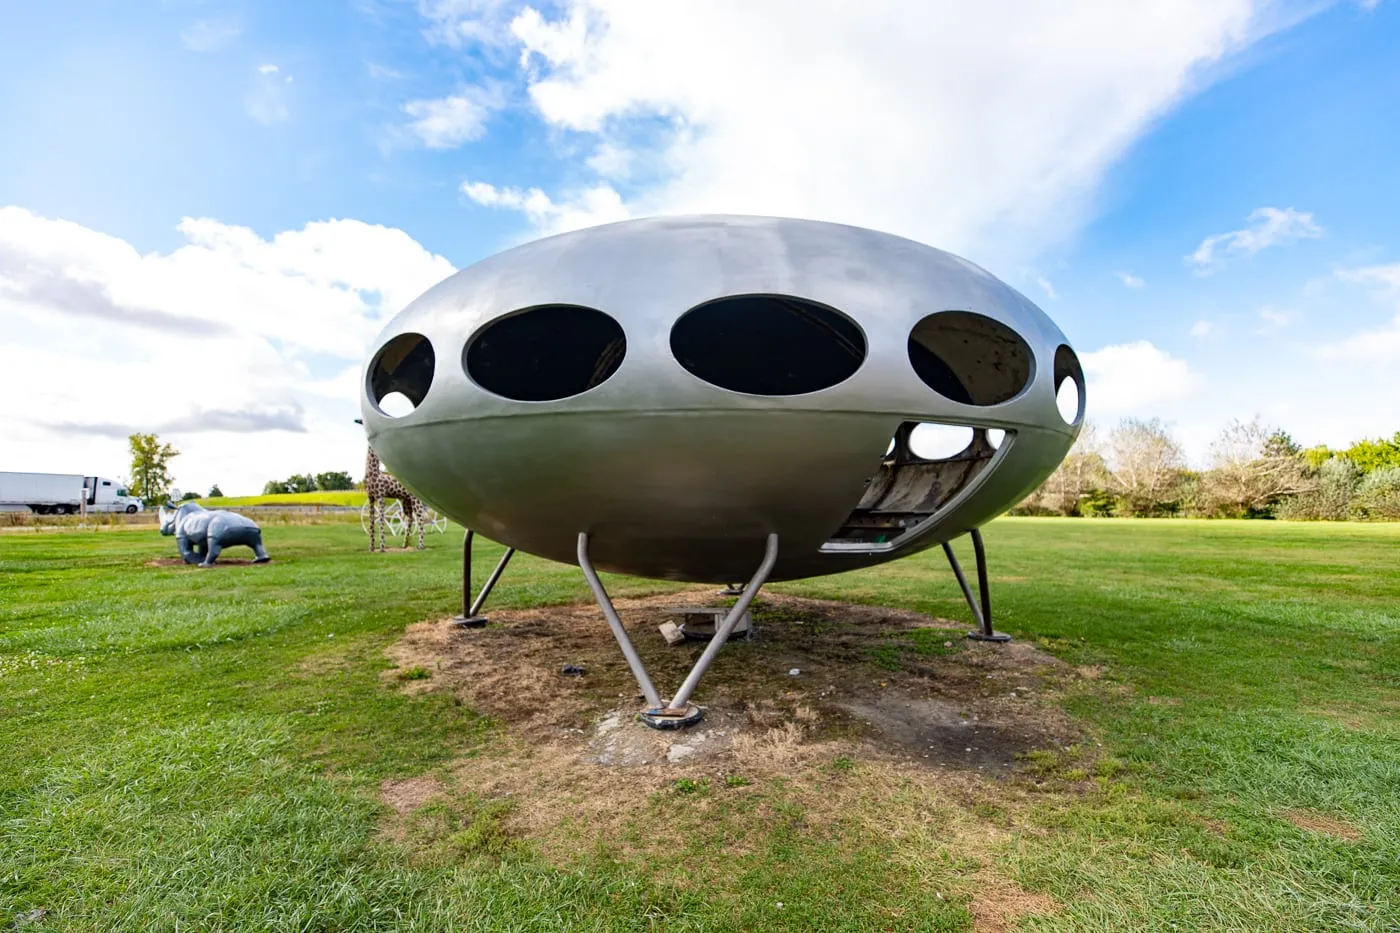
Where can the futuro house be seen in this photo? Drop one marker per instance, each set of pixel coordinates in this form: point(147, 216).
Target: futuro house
point(703, 397)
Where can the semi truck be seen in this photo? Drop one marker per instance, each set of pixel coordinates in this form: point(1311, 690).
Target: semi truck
point(64, 494)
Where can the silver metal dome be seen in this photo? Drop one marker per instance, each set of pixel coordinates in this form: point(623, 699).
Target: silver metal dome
point(680, 388)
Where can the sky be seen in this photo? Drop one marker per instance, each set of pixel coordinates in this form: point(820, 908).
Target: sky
point(209, 208)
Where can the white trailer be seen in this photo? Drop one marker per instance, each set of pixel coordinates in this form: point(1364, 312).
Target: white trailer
point(64, 494)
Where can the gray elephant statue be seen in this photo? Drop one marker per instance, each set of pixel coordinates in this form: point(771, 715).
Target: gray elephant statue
point(202, 534)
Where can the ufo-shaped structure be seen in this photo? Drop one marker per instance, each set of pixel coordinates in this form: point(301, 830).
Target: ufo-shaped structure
point(697, 398)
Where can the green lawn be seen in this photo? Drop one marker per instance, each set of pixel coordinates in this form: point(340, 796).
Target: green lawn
point(202, 750)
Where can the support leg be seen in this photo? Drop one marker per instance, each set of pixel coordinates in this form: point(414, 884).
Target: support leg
point(212, 550)
point(260, 555)
point(732, 589)
point(471, 609)
point(679, 711)
point(629, 651)
point(981, 606)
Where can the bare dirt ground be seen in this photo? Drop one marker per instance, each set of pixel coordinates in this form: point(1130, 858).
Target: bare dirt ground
point(898, 684)
point(892, 720)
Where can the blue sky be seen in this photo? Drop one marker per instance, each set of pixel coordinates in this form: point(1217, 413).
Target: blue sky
point(336, 157)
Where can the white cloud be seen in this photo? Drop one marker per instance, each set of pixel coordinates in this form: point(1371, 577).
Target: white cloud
point(1201, 329)
point(911, 118)
point(210, 35)
point(267, 69)
point(244, 350)
point(459, 23)
point(611, 161)
point(596, 205)
point(1130, 281)
point(1135, 378)
point(1268, 226)
point(1387, 277)
point(1277, 317)
point(1046, 287)
point(1377, 344)
point(449, 122)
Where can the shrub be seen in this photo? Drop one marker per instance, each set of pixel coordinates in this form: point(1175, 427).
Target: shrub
point(1378, 495)
point(1331, 500)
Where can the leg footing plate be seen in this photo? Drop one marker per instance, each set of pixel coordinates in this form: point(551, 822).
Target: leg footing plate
point(995, 636)
point(666, 718)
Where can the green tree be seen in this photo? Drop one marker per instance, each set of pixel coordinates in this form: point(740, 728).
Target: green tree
point(1371, 455)
point(301, 482)
point(275, 487)
point(214, 490)
point(334, 481)
point(150, 466)
point(188, 496)
point(1315, 457)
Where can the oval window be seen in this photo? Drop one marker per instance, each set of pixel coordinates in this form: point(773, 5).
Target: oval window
point(970, 358)
point(401, 374)
point(768, 344)
point(1069, 385)
point(933, 441)
point(545, 353)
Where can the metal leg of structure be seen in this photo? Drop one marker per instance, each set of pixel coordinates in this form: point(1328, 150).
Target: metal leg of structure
point(981, 614)
point(629, 651)
point(732, 589)
point(679, 711)
point(471, 609)
point(736, 612)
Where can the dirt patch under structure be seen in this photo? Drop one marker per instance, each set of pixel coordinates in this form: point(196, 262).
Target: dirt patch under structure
point(904, 685)
point(893, 721)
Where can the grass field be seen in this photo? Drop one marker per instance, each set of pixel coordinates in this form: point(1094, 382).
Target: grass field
point(204, 750)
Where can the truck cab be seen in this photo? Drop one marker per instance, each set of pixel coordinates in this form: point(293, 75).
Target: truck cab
point(107, 495)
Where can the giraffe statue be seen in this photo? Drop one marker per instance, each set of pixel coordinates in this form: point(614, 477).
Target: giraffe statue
point(380, 486)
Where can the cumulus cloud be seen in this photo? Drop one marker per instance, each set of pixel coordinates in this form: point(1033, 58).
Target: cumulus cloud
point(448, 122)
point(1378, 344)
point(1135, 378)
point(979, 128)
point(1268, 226)
point(596, 205)
point(1130, 281)
point(224, 338)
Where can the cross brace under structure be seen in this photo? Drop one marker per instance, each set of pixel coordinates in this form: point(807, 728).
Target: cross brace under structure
point(678, 711)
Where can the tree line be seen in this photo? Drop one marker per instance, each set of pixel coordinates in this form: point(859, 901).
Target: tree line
point(334, 481)
point(1253, 471)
